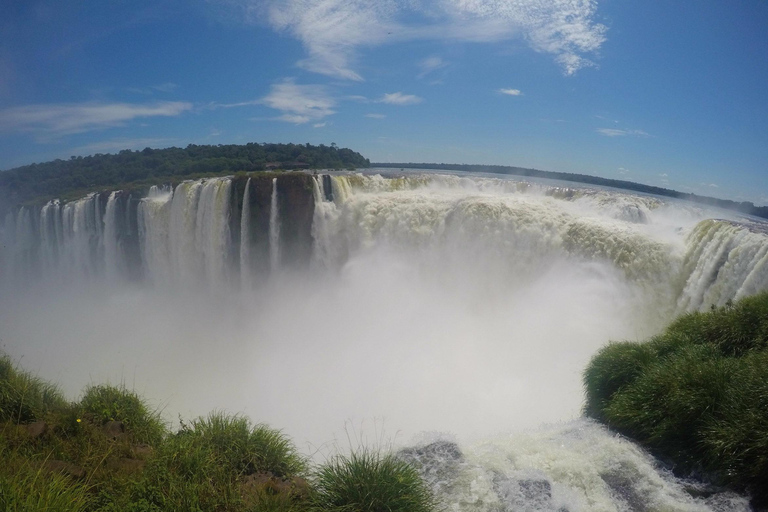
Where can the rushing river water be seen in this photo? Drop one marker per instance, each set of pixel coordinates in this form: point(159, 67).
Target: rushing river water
point(454, 313)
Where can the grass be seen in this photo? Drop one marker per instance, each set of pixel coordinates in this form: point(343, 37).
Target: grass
point(24, 397)
point(105, 403)
point(696, 395)
point(370, 481)
point(28, 489)
point(215, 463)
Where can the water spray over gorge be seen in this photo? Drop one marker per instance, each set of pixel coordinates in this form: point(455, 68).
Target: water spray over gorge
point(420, 303)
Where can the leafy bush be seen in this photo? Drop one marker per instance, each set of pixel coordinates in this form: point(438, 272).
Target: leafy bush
point(697, 394)
point(371, 481)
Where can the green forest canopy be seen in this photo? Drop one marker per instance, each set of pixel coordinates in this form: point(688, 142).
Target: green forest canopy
point(79, 175)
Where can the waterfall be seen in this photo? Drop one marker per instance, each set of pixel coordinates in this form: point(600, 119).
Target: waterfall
point(461, 304)
point(521, 229)
point(725, 261)
point(113, 253)
point(274, 229)
point(245, 239)
point(185, 235)
point(212, 231)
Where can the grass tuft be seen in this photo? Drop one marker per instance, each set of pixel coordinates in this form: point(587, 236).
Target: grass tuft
point(371, 481)
point(249, 449)
point(106, 403)
point(25, 398)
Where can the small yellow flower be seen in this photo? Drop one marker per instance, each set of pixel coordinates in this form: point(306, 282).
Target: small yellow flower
point(79, 420)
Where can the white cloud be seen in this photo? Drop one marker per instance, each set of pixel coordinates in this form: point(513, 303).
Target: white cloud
point(398, 98)
point(431, 64)
point(69, 118)
point(299, 103)
point(623, 171)
point(334, 31)
point(663, 175)
point(376, 116)
point(614, 132)
point(319, 125)
point(511, 92)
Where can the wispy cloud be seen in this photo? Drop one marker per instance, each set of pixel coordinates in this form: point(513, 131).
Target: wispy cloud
point(54, 120)
point(299, 103)
point(319, 125)
point(623, 171)
point(663, 175)
point(398, 98)
point(376, 116)
point(333, 32)
point(152, 89)
point(511, 92)
point(614, 132)
point(430, 65)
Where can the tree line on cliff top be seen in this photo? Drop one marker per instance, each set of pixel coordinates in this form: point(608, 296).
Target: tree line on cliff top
point(62, 178)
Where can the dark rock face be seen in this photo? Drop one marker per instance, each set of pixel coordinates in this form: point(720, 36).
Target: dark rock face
point(296, 207)
point(439, 452)
point(267, 483)
point(621, 487)
point(438, 463)
point(114, 429)
point(37, 429)
point(327, 187)
point(526, 494)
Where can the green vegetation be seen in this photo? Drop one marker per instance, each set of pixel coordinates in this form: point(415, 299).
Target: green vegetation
point(110, 452)
point(743, 207)
point(697, 394)
point(79, 175)
point(371, 481)
point(102, 404)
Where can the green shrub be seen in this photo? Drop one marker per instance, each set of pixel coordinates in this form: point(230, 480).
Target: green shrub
point(696, 394)
point(106, 403)
point(736, 440)
point(614, 366)
point(734, 329)
point(23, 397)
point(371, 482)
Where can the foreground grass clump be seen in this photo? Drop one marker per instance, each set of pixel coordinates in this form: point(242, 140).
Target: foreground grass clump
point(24, 397)
point(110, 452)
point(106, 403)
point(371, 481)
point(696, 394)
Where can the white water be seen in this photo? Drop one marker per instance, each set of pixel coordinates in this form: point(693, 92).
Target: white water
point(432, 303)
point(246, 281)
point(274, 230)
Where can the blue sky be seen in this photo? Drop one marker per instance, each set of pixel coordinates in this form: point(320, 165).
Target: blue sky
point(665, 93)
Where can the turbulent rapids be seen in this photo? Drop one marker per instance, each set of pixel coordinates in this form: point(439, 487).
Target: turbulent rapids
point(415, 304)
